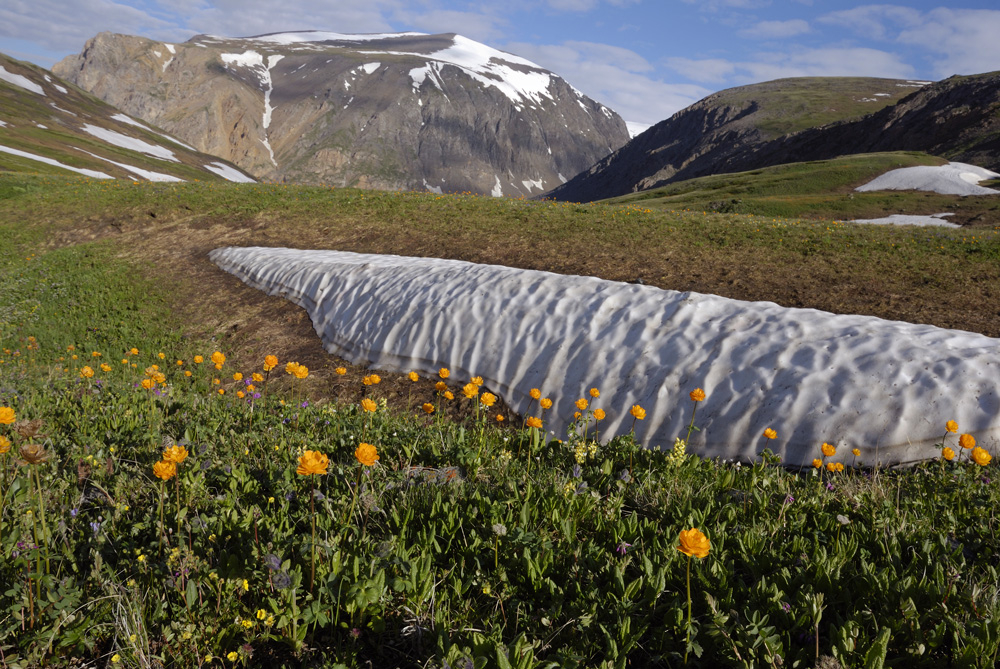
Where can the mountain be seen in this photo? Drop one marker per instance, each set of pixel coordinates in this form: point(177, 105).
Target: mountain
point(50, 126)
point(795, 120)
point(393, 111)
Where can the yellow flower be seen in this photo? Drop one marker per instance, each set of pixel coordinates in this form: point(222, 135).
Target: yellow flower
point(237, 377)
point(341, 371)
point(981, 457)
point(216, 381)
point(105, 367)
point(95, 354)
point(855, 452)
point(6, 416)
point(470, 390)
point(187, 372)
point(239, 394)
point(133, 351)
point(947, 454)
point(545, 403)
point(232, 656)
point(4, 444)
point(301, 372)
point(312, 462)
point(499, 417)
point(161, 355)
point(290, 367)
point(599, 414)
point(534, 422)
point(488, 399)
point(175, 454)
point(694, 543)
point(595, 393)
point(428, 408)
point(116, 658)
point(535, 393)
point(198, 359)
point(478, 380)
point(441, 386)
point(951, 426)
point(218, 358)
point(180, 363)
point(697, 395)
point(770, 434)
point(577, 415)
point(86, 372)
point(828, 449)
point(261, 614)
point(967, 441)
point(444, 373)
point(371, 380)
point(257, 377)
point(246, 585)
point(448, 395)
point(366, 454)
point(817, 463)
point(638, 412)
point(148, 384)
point(831, 466)
point(270, 362)
point(581, 404)
point(369, 405)
point(413, 376)
point(165, 470)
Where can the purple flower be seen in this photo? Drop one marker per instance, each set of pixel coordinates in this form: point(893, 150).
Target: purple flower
point(789, 499)
point(786, 607)
point(304, 404)
point(73, 512)
point(623, 548)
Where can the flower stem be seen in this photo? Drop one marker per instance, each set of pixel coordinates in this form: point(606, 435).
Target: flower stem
point(687, 640)
point(312, 512)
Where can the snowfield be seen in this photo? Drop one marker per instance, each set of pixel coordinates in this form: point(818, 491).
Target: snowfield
point(884, 387)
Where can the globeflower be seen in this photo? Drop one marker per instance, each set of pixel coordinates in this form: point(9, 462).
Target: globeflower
point(478, 380)
point(444, 373)
point(947, 453)
point(366, 454)
point(218, 358)
point(470, 390)
point(545, 403)
point(301, 372)
point(4, 444)
point(697, 395)
point(535, 393)
point(312, 462)
point(372, 380)
point(290, 368)
point(6, 416)
point(148, 384)
point(488, 399)
point(428, 408)
point(413, 376)
point(198, 359)
point(828, 449)
point(175, 454)
point(599, 414)
point(694, 543)
point(637, 412)
point(595, 393)
point(534, 422)
point(817, 463)
point(951, 426)
point(581, 404)
point(770, 434)
point(981, 457)
point(165, 470)
point(270, 362)
point(448, 395)
point(369, 405)
point(86, 372)
point(341, 371)
point(967, 441)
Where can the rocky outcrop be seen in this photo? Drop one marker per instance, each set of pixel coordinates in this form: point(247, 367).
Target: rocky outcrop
point(401, 111)
point(751, 127)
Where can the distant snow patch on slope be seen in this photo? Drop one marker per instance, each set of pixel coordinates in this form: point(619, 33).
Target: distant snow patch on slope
point(56, 163)
point(3, 124)
point(907, 219)
point(138, 171)
point(497, 188)
point(635, 128)
point(228, 173)
point(885, 387)
point(433, 189)
point(950, 179)
point(20, 81)
point(61, 89)
point(254, 61)
point(371, 67)
point(122, 118)
point(131, 143)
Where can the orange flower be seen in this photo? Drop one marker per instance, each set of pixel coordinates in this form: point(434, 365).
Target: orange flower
point(148, 384)
point(105, 367)
point(499, 417)
point(967, 441)
point(980, 456)
point(218, 358)
point(371, 380)
point(86, 372)
point(311, 463)
point(638, 412)
point(369, 405)
point(441, 386)
point(470, 390)
point(270, 362)
point(257, 377)
point(817, 463)
point(341, 371)
point(444, 373)
point(237, 377)
point(133, 351)
point(947, 453)
point(478, 380)
point(770, 434)
point(599, 414)
point(6, 416)
point(366, 454)
point(951, 426)
point(581, 404)
point(534, 422)
point(595, 393)
point(448, 395)
point(175, 454)
point(488, 399)
point(290, 367)
point(828, 449)
point(198, 359)
point(413, 376)
point(855, 452)
point(545, 403)
point(4, 444)
point(535, 393)
point(831, 466)
point(577, 415)
point(428, 408)
point(694, 543)
point(165, 470)
point(301, 372)
point(697, 395)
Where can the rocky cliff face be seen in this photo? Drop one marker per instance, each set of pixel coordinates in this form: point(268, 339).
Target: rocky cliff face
point(400, 111)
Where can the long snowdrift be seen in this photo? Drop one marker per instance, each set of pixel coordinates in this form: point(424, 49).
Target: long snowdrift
point(884, 387)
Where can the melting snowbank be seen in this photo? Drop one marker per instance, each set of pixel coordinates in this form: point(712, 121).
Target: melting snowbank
point(950, 179)
point(884, 387)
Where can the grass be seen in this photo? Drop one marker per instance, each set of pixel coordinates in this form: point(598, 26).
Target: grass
point(467, 544)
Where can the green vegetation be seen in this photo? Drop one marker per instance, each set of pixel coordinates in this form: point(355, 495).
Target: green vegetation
point(467, 542)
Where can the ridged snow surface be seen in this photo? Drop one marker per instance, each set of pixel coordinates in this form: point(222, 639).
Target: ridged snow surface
point(950, 179)
point(884, 387)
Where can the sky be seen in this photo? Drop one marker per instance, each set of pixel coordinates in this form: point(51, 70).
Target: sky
point(646, 59)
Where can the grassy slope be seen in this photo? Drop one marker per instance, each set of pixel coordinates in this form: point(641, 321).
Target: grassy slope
point(518, 563)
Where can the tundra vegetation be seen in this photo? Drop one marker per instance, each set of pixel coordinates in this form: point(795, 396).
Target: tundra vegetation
point(183, 483)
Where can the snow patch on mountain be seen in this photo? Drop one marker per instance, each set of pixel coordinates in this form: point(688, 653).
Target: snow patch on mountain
point(20, 81)
point(49, 161)
point(131, 143)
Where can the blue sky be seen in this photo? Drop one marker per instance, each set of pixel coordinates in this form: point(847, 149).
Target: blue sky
point(644, 58)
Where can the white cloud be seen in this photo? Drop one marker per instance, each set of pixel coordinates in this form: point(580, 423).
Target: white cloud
point(479, 26)
point(821, 62)
point(964, 41)
point(775, 29)
point(614, 76)
point(873, 21)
